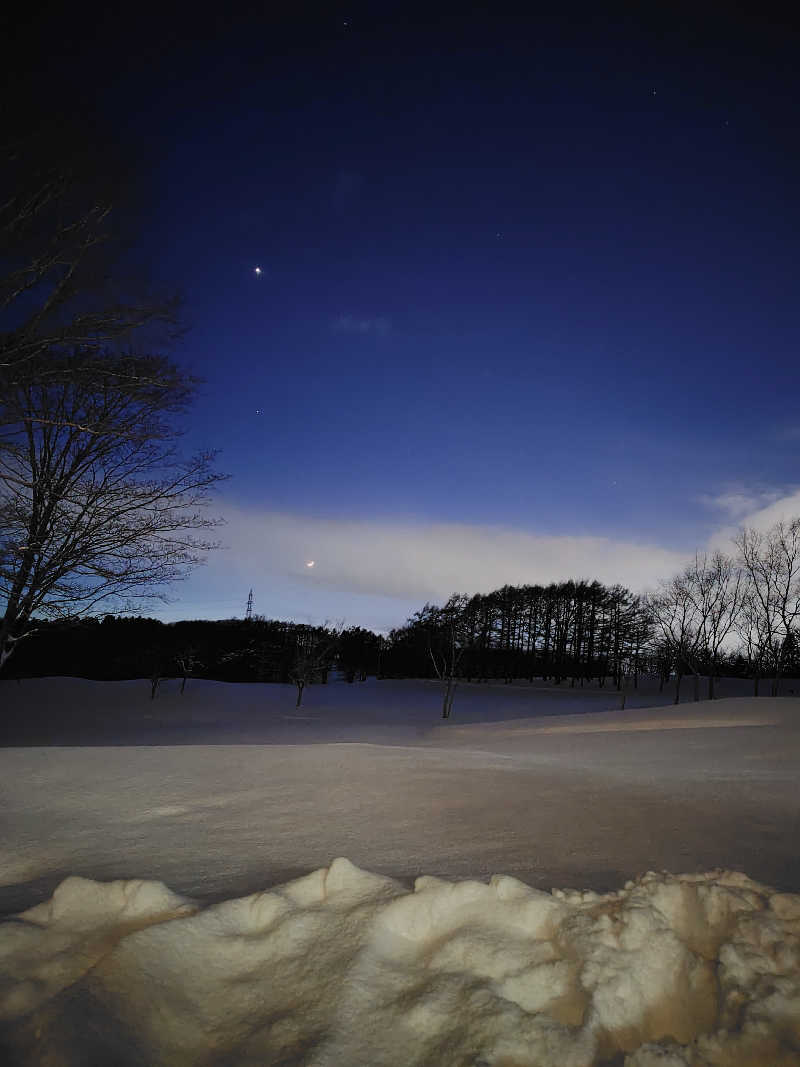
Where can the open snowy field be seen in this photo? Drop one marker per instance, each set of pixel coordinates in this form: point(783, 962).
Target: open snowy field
point(560, 799)
point(228, 791)
point(73, 711)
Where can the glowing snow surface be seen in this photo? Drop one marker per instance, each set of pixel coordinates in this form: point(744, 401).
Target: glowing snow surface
point(344, 967)
point(226, 790)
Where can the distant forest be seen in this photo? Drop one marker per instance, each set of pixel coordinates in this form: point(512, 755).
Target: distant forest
point(571, 632)
point(230, 650)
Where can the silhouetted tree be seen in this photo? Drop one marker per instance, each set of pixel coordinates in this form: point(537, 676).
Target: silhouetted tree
point(677, 626)
point(315, 652)
point(446, 638)
point(771, 562)
point(716, 587)
point(358, 653)
point(187, 662)
point(96, 505)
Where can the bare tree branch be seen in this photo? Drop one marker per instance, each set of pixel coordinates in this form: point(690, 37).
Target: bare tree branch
point(771, 563)
point(62, 285)
point(96, 504)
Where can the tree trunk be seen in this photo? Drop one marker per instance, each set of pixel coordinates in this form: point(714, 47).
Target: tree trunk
point(447, 703)
point(300, 688)
point(678, 689)
point(18, 607)
point(183, 684)
point(7, 643)
point(8, 640)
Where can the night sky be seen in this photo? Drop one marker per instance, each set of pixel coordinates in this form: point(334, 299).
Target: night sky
point(527, 306)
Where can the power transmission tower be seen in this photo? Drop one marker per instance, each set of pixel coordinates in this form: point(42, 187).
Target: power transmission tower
point(249, 613)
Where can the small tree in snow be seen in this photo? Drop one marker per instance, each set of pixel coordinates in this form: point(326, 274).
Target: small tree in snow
point(446, 641)
point(187, 662)
point(314, 656)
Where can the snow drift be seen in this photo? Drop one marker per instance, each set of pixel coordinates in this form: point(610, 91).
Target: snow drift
point(344, 967)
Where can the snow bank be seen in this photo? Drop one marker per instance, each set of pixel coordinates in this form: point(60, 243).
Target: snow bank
point(343, 967)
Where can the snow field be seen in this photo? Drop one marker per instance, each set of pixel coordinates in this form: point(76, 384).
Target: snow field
point(344, 967)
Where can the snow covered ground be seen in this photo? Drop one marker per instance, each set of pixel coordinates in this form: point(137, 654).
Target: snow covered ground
point(70, 711)
point(552, 800)
point(227, 791)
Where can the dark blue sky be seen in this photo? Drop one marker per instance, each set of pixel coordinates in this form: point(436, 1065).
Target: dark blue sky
point(530, 278)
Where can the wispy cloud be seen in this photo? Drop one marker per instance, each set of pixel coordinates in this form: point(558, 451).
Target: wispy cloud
point(428, 560)
point(377, 325)
point(768, 509)
point(376, 572)
point(737, 502)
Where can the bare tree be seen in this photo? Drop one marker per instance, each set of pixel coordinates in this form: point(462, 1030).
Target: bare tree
point(716, 587)
point(771, 561)
point(315, 654)
point(446, 640)
point(187, 662)
point(695, 613)
point(677, 628)
point(96, 504)
point(755, 645)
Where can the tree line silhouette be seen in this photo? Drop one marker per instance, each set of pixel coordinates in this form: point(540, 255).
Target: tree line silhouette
point(720, 615)
point(573, 630)
point(737, 614)
point(228, 650)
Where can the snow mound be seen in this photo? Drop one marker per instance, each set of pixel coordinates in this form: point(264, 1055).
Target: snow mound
point(343, 968)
